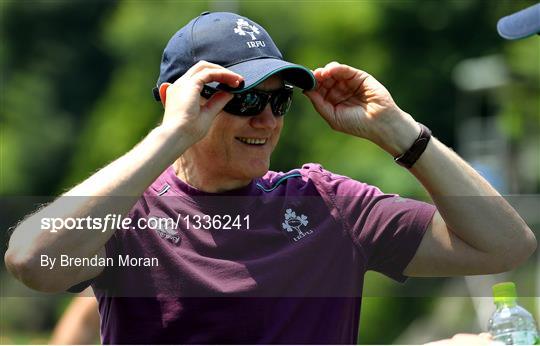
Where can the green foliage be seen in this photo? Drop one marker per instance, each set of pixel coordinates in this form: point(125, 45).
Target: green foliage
point(52, 71)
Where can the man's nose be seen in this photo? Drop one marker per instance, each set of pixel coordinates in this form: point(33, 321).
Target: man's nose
point(265, 119)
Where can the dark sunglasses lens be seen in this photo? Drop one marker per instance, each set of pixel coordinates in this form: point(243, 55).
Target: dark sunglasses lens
point(281, 102)
point(246, 104)
point(253, 102)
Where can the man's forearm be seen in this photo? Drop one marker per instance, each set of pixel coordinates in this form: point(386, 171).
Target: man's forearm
point(112, 190)
point(471, 207)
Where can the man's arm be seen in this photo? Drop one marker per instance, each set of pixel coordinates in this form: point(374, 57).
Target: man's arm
point(115, 188)
point(112, 190)
point(474, 231)
point(79, 325)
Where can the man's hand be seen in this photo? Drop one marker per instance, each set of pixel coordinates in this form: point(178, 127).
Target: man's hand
point(182, 100)
point(467, 340)
point(353, 102)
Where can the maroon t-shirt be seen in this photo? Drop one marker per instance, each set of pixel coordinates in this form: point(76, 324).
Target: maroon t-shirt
point(288, 268)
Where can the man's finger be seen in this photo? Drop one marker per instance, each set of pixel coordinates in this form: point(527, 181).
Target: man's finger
point(345, 72)
point(322, 91)
point(336, 95)
point(215, 104)
point(331, 65)
point(325, 73)
point(328, 83)
point(220, 75)
point(202, 69)
point(201, 65)
point(318, 74)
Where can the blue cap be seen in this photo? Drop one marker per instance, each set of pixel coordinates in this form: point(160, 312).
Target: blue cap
point(520, 24)
point(234, 42)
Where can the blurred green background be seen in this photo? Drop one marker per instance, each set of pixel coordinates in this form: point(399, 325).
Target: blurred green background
point(76, 80)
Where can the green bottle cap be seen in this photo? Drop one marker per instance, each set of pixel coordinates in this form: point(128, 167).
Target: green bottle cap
point(504, 292)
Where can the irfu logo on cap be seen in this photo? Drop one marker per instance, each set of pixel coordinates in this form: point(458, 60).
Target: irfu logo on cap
point(243, 28)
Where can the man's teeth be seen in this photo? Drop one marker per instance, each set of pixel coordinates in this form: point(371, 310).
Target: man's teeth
point(252, 140)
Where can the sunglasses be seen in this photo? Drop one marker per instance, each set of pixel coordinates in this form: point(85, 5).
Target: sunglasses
point(253, 102)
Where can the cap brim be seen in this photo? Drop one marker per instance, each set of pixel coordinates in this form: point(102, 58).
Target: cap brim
point(258, 70)
point(520, 24)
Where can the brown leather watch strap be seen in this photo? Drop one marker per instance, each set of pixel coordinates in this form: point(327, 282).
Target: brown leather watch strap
point(408, 158)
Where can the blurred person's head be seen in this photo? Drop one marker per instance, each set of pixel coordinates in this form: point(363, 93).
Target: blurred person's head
point(243, 136)
point(521, 24)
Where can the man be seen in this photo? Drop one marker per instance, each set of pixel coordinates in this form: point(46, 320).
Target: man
point(292, 270)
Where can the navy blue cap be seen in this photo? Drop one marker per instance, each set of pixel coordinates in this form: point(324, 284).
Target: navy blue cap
point(234, 42)
point(520, 24)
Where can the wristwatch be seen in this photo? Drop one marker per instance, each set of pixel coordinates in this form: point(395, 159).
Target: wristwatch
point(408, 158)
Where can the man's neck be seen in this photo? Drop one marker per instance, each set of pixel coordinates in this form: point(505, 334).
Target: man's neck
point(205, 180)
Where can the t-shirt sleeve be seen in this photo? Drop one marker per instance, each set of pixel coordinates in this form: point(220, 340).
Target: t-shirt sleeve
point(386, 228)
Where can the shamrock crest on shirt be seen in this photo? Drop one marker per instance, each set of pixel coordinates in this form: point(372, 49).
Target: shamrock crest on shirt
point(293, 222)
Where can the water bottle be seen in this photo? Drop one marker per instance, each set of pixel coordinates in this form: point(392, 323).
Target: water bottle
point(510, 323)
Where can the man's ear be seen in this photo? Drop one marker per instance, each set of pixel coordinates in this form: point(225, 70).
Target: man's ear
point(163, 92)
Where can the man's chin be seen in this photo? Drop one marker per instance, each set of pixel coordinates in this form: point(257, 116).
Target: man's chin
point(256, 169)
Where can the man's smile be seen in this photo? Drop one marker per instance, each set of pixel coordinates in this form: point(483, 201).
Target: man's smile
point(252, 140)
